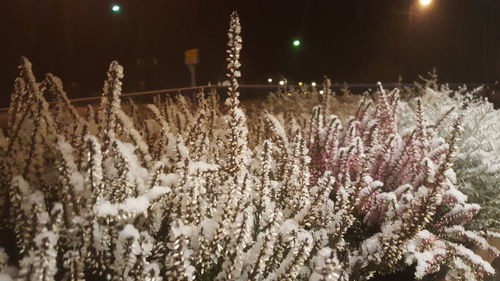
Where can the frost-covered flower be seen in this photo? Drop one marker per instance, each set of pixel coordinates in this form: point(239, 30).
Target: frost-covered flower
point(477, 161)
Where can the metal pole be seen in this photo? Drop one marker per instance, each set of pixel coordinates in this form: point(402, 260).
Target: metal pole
point(192, 70)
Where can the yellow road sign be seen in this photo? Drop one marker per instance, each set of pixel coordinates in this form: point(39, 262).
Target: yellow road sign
point(191, 56)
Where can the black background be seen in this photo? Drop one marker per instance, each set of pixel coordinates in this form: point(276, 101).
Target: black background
point(351, 40)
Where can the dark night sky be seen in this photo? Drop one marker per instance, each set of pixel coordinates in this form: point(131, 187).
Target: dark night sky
point(349, 40)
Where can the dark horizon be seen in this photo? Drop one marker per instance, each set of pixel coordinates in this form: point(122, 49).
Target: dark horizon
point(353, 41)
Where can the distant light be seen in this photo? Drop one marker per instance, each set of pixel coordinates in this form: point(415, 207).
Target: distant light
point(115, 8)
point(282, 82)
point(269, 80)
point(321, 92)
point(425, 3)
point(296, 43)
point(300, 83)
point(313, 84)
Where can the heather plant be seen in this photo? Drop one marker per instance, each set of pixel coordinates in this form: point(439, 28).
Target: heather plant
point(477, 162)
point(193, 189)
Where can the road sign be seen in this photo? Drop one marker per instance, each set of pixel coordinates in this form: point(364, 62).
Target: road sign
point(191, 59)
point(191, 56)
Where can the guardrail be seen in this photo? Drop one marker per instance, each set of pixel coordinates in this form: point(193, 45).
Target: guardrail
point(247, 92)
point(250, 91)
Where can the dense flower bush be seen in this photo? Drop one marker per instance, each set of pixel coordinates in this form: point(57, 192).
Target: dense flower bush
point(477, 164)
point(192, 189)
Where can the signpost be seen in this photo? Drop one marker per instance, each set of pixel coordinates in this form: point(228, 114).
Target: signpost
point(191, 59)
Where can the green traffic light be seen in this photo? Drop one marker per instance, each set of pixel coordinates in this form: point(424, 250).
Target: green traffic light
point(296, 43)
point(115, 8)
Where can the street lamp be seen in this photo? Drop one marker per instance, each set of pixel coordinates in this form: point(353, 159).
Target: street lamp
point(115, 8)
point(422, 4)
point(425, 3)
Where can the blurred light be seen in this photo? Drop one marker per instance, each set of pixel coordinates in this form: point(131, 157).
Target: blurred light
point(269, 80)
point(321, 92)
point(115, 8)
point(425, 3)
point(313, 84)
point(282, 82)
point(300, 83)
point(296, 43)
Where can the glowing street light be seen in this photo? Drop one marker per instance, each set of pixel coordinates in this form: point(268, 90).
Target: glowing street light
point(296, 43)
point(425, 3)
point(300, 83)
point(313, 84)
point(269, 80)
point(115, 8)
point(282, 82)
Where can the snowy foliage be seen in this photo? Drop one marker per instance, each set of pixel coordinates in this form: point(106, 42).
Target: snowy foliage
point(477, 164)
point(193, 189)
